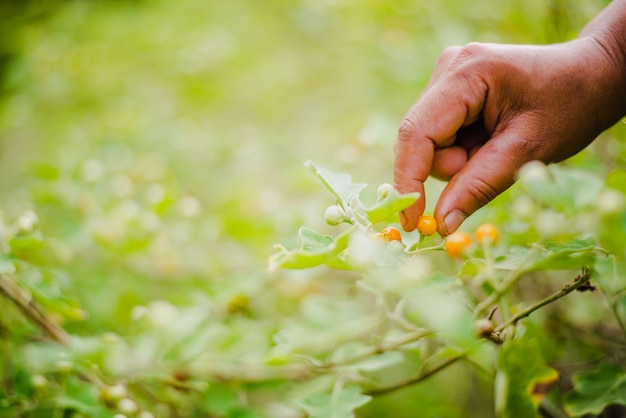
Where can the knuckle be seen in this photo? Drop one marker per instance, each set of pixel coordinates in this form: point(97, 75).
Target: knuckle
point(471, 50)
point(408, 129)
point(449, 53)
point(481, 192)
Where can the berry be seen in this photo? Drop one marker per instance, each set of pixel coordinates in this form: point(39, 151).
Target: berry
point(392, 234)
point(483, 327)
point(487, 234)
point(426, 225)
point(457, 242)
point(334, 215)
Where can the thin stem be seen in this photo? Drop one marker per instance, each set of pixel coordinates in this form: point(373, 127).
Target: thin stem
point(580, 280)
point(32, 311)
point(613, 300)
point(419, 378)
point(380, 348)
point(507, 284)
point(421, 250)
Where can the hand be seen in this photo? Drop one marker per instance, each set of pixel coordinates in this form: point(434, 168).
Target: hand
point(489, 109)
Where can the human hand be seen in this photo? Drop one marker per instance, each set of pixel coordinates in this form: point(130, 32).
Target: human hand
point(489, 109)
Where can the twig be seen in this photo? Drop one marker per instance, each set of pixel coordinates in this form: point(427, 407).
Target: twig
point(579, 281)
point(614, 300)
point(32, 311)
point(507, 284)
point(380, 348)
point(419, 378)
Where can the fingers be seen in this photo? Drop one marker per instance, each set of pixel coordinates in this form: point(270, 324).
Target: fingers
point(448, 161)
point(450, 103)
point(489, 172)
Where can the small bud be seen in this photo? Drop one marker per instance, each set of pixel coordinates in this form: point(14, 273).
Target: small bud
point(384, 190)
point(38, 381)
point(127, 406)
point(483, 327)
point(334, 215)
point(65, 366)
point(117, 391)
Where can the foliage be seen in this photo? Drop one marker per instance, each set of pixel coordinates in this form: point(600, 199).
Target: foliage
point(152, 154)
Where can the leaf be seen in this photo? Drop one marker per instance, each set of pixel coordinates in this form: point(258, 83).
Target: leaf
point(6, 265)
point(339, 184)
point(554, 256)
point(336, 405)
point(390, 205)
point(562, 188)
point(379, 362)
point(316, 249)
point(563, 256)
point(596, 389)
point(522, 379)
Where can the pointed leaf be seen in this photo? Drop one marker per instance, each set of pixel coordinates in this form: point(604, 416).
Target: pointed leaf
point(316, 249)
point(390, 205)
point(339, 184)
point(562, 256)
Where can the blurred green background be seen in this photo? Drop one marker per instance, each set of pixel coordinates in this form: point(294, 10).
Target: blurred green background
point(161, 143)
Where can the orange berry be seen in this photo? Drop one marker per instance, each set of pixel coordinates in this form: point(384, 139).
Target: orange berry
point(457, 242)
point(487, 233)
point(392, 234)
point(427, 225)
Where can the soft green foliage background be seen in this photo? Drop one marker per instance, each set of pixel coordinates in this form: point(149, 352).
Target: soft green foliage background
point(151, 153)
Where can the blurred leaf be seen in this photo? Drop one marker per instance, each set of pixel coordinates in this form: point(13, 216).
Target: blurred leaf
point(596, 389)
point(567, 255)
point(379, 362)
point(80, 397)
point(390, 205)
point(316, 249)
point(617, 180)
point(563, 188)
point(339, 184)
point(336, 405)
point(6, 266)
point(522, 380)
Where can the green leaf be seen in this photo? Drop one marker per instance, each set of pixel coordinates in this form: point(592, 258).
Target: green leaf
point(563, 256)
point(339, 184)
point(6, 265)
point(390, 205)
point(379, 362)
point(340, 404)
point(316, 249)
point(563, 188)
point(596, 389)
point(522, 379)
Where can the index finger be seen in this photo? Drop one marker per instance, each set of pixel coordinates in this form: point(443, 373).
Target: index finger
point(433, 122)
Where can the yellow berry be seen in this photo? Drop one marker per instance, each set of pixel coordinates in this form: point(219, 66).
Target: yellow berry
point(392, 234)
point(487, 233)
point(426, 225)
point(457, 242)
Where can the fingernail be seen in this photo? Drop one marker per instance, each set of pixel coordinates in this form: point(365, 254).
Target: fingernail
point(453, 220)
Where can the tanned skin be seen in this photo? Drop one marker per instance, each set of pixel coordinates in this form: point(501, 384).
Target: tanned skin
point(490, 108)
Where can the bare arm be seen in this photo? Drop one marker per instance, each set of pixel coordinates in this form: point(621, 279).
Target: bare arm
point(489, 109)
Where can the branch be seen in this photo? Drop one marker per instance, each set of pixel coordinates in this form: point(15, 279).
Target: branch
point(580, 280)
point(381, 348)
point(419, 378)
point(32, 311)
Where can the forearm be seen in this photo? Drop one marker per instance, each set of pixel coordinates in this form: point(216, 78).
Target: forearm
point(608, 30)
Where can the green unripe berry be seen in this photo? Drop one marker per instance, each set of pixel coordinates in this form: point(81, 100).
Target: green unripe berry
point(334, 215)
